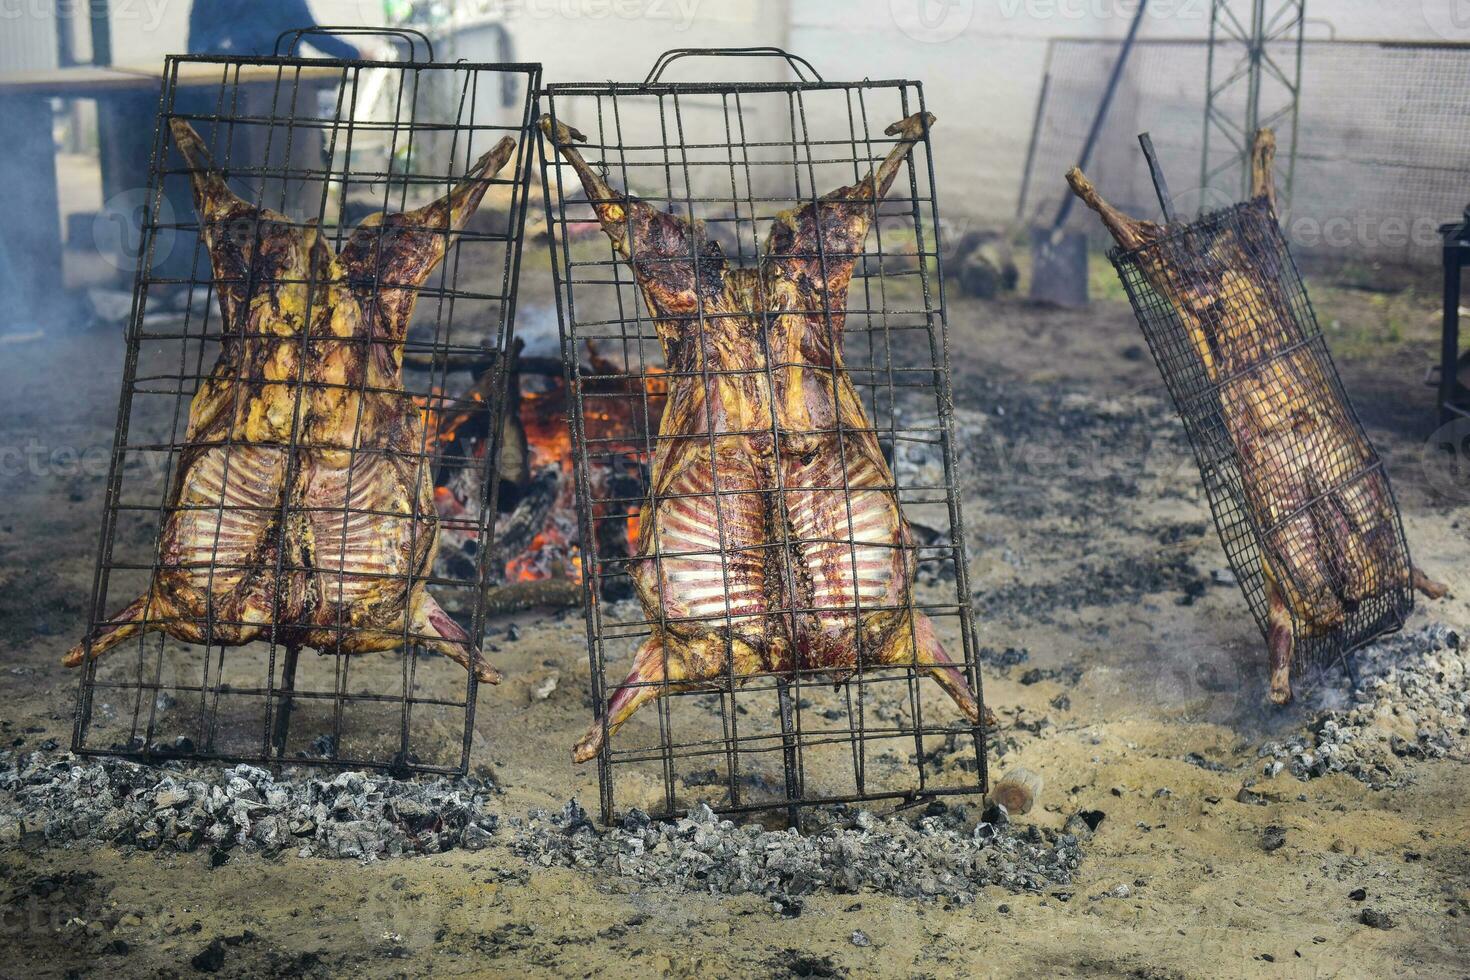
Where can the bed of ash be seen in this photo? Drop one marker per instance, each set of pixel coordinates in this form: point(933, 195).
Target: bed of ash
point(1184, 828)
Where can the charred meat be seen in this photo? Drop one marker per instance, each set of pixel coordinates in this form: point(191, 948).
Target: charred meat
point(772, 538)
point(1291, 432)
point(303, 507)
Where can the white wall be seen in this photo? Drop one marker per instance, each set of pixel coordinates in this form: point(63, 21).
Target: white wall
point(981, 61)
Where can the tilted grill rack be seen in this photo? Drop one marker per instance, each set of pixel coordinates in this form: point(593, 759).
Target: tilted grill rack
point(1295, 487)
point(724, 159)
point(308, 149)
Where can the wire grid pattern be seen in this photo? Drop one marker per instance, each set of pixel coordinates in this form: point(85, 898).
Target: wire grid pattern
point(776, 730)
point(1378, 157)
point(1296, 490)
point(306, 149)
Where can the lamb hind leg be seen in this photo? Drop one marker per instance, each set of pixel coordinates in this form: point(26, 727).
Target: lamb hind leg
point(918, 645)
point(134, 619)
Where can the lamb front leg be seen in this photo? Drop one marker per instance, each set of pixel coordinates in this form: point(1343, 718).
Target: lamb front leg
point(915, 643)
point(665, 665)
point(434, 628)
point(645, 682)
point(1427, 585)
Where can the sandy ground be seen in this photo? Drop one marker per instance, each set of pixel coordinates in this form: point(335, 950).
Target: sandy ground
point(1091, 549)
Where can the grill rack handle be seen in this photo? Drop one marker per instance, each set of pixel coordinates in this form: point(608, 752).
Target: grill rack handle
point(406, 34)
point(798, 64)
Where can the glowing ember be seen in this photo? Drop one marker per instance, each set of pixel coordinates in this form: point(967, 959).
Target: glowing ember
point(617, 417)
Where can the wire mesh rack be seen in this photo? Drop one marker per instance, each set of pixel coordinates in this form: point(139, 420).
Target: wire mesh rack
point(1300, 497)
point(753, 333)
point(324, 238)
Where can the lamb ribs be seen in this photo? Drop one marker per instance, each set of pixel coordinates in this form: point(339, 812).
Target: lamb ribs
point(1330, 538)
point(772, 539)
point(301, 512)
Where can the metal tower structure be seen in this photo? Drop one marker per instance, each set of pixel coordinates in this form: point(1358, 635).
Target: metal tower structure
point(1255, 46)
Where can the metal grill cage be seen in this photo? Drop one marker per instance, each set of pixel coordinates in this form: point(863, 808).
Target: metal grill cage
point(759, 726)
point(319, 495)
point(1296, 489)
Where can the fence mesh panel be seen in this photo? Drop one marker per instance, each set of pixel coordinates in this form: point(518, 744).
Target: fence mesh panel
point(1380, 158)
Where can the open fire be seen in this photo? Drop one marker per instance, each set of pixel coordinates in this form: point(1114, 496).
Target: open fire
point(536, 527)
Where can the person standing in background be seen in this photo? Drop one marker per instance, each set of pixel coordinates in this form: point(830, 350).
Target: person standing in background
point(250, 28)
point(238, 27)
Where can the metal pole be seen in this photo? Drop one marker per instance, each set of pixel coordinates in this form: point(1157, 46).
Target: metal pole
point(101, 32)
point(1102, 109)
point(1449, 355)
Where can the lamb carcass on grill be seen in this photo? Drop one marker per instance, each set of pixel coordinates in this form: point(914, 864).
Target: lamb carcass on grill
point(772, 538)
point(317, 547)
point(1330, 528)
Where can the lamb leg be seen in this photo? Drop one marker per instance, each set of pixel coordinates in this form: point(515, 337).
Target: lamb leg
point(138, 616)
point(434, 628)
point(916, 644)
point(393, 255)
point(644, 683)
point(1427, 585)
point(680, 272)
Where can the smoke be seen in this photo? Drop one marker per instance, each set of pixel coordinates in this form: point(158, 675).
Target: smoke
point(30, 241)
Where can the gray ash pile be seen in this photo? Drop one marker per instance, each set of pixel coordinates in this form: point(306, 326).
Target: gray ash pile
point(938, 856)
point(60, 800)
point(50, 799)
point(1412, 702)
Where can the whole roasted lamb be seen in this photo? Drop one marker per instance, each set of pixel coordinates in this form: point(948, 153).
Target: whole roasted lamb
point(303, 508)
point(1293, 437)
point(772, 539)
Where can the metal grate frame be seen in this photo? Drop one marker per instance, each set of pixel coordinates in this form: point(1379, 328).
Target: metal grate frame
point(325, 144)
point(725, 159)
point(1283, 501)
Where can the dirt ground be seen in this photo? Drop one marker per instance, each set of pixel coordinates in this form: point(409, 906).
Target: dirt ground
point(1091, 548)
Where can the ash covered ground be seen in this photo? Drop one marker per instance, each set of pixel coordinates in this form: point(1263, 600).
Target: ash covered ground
point(1184, 828)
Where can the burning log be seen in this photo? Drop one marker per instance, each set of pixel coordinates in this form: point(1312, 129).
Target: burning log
point(1312, 484)
point(481, 363)
point(535, 535)
point(551, 593)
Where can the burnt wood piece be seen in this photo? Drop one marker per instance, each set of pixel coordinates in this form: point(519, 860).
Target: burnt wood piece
point(545, 593)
